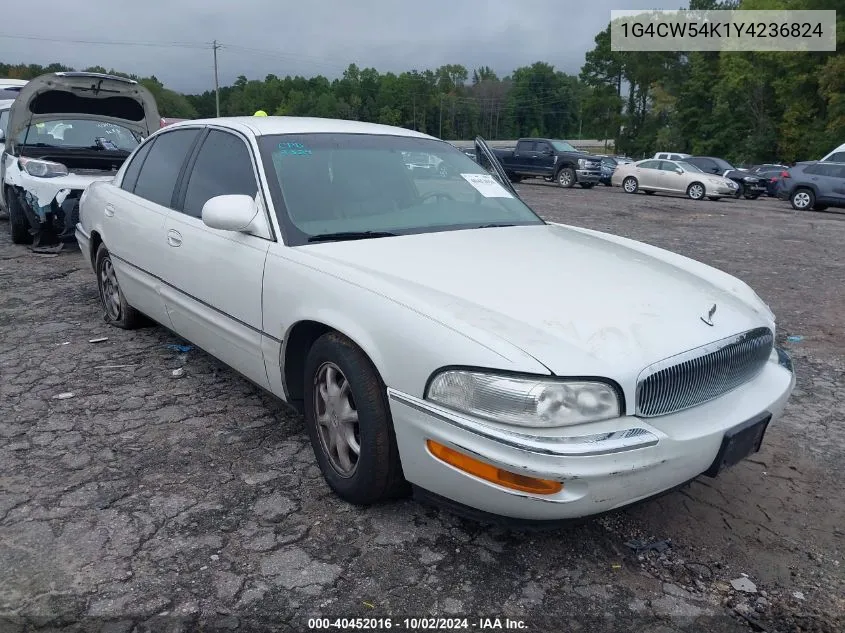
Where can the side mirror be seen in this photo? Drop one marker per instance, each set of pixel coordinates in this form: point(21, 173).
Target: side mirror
point(679, 171)
point(229, 213)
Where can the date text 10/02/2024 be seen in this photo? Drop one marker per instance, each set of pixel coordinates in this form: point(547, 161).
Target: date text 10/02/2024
point(417, 624)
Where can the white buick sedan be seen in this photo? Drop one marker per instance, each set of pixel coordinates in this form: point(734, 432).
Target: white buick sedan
point(435, 332)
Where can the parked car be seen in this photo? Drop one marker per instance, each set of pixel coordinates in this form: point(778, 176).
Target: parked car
point(552, 159)
point(608, 166)
point(436, 333)
point(623, 159)
point(749, 186)
point(767, 167)
point(814, 185)
point(836, 156)
point(770, 175)
point(670, 156)
point(12, 85)
point(426, 164)
point(64, 131)
point(670, 176)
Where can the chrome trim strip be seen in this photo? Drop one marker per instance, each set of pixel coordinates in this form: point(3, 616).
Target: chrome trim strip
point(573, 446)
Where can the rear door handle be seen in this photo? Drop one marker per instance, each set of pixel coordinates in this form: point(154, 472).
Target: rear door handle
point(174, 238)
point(109, 210)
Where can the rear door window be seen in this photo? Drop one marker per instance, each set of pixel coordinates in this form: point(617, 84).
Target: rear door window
point(525, 146)
point(133, 169)
point(164, 164)
point(650, 164)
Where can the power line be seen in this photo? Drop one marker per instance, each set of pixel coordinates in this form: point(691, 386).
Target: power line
point(38, 38)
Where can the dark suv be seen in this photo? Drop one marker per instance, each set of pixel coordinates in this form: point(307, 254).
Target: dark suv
point(814, 185)
point(750, 186)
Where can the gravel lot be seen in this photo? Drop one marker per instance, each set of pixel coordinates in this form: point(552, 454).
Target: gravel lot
point(151, 503)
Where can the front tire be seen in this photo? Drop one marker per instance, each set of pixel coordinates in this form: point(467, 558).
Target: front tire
point(802, 199)
point(695, 191)
point(630, 185)
point(18, 225)
point(349, 423)
point(116, 310)
point(566, 177)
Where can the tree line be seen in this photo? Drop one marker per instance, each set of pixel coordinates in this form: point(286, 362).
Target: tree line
point(746, 107)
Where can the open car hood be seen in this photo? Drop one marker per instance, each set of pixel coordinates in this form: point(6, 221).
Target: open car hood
point(85, 96)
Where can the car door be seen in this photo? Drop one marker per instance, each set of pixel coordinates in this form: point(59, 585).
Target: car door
point(545, 158)
point(487, 159)
point(525, 157)
point(134, 215)
point(647, 174)
point(671, 180)
point(216, 277)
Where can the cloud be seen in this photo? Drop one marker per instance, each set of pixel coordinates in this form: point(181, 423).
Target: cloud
point(260, 37)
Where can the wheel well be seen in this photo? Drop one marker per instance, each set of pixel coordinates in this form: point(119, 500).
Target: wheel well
point(299, 341)
point(96, 240)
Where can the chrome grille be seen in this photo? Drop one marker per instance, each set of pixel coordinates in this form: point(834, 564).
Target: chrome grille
point(702, 374)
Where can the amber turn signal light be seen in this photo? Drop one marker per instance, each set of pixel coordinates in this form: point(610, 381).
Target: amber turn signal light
point(491, 473)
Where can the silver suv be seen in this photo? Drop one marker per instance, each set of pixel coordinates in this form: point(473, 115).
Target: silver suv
point(814, 185)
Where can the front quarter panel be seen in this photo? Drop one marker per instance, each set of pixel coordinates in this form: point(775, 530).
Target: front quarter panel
point(405, 345)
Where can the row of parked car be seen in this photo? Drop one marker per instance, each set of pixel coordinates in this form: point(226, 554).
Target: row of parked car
point(808, 185)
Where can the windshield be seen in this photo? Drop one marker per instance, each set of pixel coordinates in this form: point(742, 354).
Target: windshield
point(688, 166)
point(356, 183)
point(563, 146)
point(76, 133)
point(4, 120)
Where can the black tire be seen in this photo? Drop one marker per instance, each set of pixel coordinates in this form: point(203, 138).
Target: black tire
point(116, 311)
point(586, 185)
point(753, 196)
point(514, 178)
point(18, 224)
point(696, 191)
point(566, 178)
point(740, 191)
point(802, 199)
point(377, 474)
point(630, 185)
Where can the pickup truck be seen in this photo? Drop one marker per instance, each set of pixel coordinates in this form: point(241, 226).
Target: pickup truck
point(551, 159)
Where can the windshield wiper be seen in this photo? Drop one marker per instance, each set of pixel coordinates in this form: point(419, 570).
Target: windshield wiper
point(494, 226)
point(350, 235)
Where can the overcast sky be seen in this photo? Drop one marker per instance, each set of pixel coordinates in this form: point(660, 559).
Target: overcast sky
point(306, 37)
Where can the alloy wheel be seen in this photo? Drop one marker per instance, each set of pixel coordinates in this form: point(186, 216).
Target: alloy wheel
point(110, 290)
point(337, 419)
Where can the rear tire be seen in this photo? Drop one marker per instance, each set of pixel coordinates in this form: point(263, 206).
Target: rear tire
point(802, 199)
point(630, 185)
point(341, 383)
point(18, 224)
point(586, 185)
point(116, 310)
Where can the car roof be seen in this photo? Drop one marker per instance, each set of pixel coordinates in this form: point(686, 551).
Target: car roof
point(263, 126)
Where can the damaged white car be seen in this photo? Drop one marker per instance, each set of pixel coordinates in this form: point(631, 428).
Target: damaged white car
point(64, 131)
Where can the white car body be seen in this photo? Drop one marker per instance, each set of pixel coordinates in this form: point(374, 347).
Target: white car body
point(542, 301)
point(39, 103)
point(670, 156)
point(836, 156)
point(669, 176)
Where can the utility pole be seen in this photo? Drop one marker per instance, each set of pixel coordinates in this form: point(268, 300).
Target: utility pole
point(214, 47)
point(440, 135)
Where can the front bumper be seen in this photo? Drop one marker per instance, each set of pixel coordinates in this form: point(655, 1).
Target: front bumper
point(586, 175)
point(597, 475)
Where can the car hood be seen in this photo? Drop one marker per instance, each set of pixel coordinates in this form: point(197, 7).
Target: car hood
point(86, 96)
point(576, 300)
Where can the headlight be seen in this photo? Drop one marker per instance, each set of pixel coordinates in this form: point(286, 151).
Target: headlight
point(750, 179)
point(532, 402)
point(582, 163)
point(42, 168)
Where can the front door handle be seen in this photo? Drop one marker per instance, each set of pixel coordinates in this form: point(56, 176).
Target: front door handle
point(109, 210)
point(174, 238)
